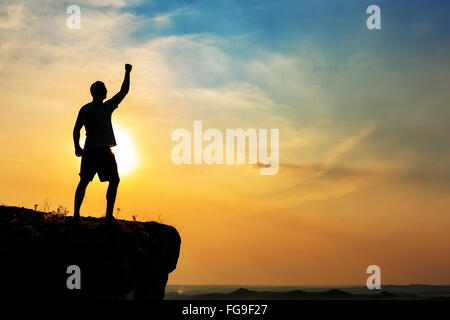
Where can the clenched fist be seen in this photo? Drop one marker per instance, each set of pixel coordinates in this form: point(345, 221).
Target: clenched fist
point(78, 151)
point(128, 67)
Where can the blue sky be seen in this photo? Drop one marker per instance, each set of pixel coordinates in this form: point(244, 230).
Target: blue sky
point(337, 27)
point(329, 34)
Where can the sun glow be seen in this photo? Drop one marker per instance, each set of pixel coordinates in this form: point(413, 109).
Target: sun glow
point(125, 151)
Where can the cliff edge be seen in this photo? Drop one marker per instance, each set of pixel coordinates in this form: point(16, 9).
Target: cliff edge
point(111, 261)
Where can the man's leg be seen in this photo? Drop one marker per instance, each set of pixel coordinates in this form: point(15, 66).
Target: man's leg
point(111, 196)
point(79, 196)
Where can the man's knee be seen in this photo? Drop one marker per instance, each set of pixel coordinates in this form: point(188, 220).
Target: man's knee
point(114, 181)
point(83, 182)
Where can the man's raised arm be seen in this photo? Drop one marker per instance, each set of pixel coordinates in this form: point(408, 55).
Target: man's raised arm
point(125, 86)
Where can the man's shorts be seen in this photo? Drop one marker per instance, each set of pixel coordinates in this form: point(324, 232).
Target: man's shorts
point(99, 160)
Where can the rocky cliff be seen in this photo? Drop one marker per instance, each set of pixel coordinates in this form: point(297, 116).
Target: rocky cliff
point(120, 260)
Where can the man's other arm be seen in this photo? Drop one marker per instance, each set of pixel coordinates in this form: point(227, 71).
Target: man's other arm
point(76, 135)
point(125, 87)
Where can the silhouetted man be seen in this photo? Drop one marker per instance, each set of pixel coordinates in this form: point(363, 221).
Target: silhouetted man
point(97, 156)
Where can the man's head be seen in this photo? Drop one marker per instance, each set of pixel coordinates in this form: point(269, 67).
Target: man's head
point(98, 90)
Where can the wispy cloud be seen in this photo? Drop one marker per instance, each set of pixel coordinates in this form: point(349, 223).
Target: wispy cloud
point(12, 17)
point(345, 146)
point(11, 159)
point(165, 19)
point(321, 167)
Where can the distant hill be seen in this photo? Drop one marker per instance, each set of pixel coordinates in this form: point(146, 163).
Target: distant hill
point(332, 294)
point(245, 294)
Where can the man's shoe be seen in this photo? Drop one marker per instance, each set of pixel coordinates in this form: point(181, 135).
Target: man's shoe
point(76, 218)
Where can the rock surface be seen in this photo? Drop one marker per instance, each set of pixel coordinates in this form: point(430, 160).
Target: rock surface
point(120, 260)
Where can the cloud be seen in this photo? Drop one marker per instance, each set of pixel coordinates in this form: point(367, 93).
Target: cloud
point(340, 172)
point(11, 159)
point(105, 3)
point(179, 75)
point(346, 146)
point(11, 17)
point(320, 168)
point(165, 19)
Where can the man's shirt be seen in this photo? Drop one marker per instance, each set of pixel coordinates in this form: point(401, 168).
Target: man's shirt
point(96, 119)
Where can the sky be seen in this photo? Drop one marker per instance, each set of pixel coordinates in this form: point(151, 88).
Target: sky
point(363, 116)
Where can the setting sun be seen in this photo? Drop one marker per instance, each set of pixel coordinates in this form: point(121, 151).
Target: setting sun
point(125, 151)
